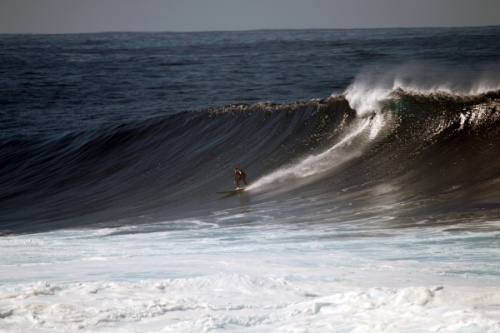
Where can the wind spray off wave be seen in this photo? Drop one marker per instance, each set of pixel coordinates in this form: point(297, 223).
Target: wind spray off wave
point(373, 87)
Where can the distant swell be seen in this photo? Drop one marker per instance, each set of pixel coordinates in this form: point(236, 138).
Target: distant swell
point(421, 144)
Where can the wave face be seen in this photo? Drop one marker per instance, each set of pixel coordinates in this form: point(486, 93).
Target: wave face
point(426, 153)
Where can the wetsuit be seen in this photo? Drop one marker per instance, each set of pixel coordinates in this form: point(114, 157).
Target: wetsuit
point(239, 175)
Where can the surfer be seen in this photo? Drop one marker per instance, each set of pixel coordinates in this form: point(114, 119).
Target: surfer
point(239, 175)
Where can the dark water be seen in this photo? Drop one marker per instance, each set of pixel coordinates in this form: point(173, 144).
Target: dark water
point(124, 129)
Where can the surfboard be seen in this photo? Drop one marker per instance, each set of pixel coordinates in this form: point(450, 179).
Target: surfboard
point(238, 190)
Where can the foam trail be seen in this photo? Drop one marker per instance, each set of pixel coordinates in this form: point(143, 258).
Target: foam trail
point(334, 156)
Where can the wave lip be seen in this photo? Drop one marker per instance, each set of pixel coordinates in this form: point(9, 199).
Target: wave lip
point(371, 88)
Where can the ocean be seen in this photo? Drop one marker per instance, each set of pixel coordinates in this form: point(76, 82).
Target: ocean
point(373, 163)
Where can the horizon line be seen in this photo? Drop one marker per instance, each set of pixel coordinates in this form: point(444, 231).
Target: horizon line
point(243, 30)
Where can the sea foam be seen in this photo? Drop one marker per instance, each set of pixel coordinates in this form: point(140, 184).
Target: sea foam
point(253, 279)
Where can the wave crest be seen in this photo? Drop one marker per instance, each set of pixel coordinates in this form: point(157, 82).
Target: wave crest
point(372, 88)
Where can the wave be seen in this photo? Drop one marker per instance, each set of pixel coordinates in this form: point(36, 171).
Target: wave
point(373, 86)
point(421, 144)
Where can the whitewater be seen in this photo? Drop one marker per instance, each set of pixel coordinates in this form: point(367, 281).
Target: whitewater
point(373, 164)
point(277, 279)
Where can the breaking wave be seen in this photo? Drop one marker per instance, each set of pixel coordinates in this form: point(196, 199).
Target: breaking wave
point(443, 141)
